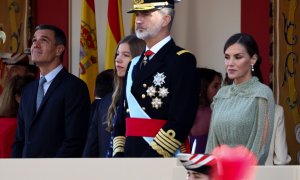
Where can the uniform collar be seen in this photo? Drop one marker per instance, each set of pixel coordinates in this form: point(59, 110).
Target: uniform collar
point(159, 45)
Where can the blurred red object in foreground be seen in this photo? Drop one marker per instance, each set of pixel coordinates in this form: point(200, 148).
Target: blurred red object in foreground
point(234, 163)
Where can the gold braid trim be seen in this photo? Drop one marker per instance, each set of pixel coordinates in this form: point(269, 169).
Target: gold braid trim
point(168, 140)
point(118, 144)
point(182, 52)
point(149, 5)
point(159, 149)
point(165, 146)
point(165, 143)
point(117, 150)
point(170, 134)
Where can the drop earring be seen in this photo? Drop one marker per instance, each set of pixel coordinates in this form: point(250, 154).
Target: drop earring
point(252, 67)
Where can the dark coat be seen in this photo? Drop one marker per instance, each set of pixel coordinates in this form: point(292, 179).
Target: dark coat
point(59, 127)
point(98, 139)
point(178, 107)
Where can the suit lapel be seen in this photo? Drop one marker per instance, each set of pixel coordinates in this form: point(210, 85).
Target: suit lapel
point(155, 63)
point(32, 109)
point(56, 81)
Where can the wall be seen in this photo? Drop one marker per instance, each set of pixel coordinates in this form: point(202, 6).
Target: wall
point(255, 20)
point(203, 27)
point(53, 12)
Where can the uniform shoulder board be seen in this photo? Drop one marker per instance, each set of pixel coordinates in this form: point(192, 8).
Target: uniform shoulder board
point(182, 52)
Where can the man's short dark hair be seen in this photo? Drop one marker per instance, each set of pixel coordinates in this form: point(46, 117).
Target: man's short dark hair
point(104, 83)
point(59, 35)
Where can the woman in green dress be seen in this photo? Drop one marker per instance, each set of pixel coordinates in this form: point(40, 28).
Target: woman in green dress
point(243, 112)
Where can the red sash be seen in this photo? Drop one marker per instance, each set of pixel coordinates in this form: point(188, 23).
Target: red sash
point(148, 128)
point(143, 127)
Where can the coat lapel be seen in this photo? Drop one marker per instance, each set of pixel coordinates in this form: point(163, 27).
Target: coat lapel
point(32, 109)
point(155, 63)
point(56, 81)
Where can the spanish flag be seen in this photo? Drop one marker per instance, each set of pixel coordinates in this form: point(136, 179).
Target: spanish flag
point(114, 31)
point(88, 46)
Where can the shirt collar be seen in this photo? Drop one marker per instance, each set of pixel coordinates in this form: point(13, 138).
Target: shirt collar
point(159, 45)
point(51, 75)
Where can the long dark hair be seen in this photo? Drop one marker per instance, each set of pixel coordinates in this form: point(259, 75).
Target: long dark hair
point(251, 46)
point(136, 47)
point(204, 77)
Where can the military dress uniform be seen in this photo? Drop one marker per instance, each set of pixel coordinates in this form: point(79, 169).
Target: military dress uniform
point(164, 91)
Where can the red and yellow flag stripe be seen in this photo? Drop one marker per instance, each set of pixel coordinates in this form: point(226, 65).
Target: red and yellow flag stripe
point(114, 31)
point(88, 46)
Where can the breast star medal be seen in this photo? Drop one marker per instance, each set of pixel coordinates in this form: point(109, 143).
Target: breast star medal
point(163, 92)
point(156, 103)
point(151, 91)
point(159, 79)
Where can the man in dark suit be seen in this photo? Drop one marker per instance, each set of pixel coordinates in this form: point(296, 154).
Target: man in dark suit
point(160, 98)
point(98, 139)
point(53, 115)
point(104, 85)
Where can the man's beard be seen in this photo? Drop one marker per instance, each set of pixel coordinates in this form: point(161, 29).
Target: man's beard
point(148, 33)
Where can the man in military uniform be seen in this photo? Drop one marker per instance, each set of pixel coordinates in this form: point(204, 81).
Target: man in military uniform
point(159, 100)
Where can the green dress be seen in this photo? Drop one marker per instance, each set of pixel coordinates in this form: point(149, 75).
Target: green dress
point(243, 114)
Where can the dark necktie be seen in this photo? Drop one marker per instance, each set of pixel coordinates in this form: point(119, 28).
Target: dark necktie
point(146, 59)
point(40, 93)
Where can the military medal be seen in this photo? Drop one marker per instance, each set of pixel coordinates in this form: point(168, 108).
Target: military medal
point(151, 91)
point(147, 54)
point(145, 61)
point(163, 92)
point(159, 79)
point(156, 103)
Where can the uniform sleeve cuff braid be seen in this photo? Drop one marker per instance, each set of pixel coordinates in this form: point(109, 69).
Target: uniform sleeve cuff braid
point(118, 144)
point(165, 143)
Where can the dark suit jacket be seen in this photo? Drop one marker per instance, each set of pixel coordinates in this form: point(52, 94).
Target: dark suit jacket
point(59, 127)
point(178, 106)
point(98, 139)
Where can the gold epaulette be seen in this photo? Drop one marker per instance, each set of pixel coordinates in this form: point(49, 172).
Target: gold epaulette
point(118, 144)
point(182, 52)
point(165, 143)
